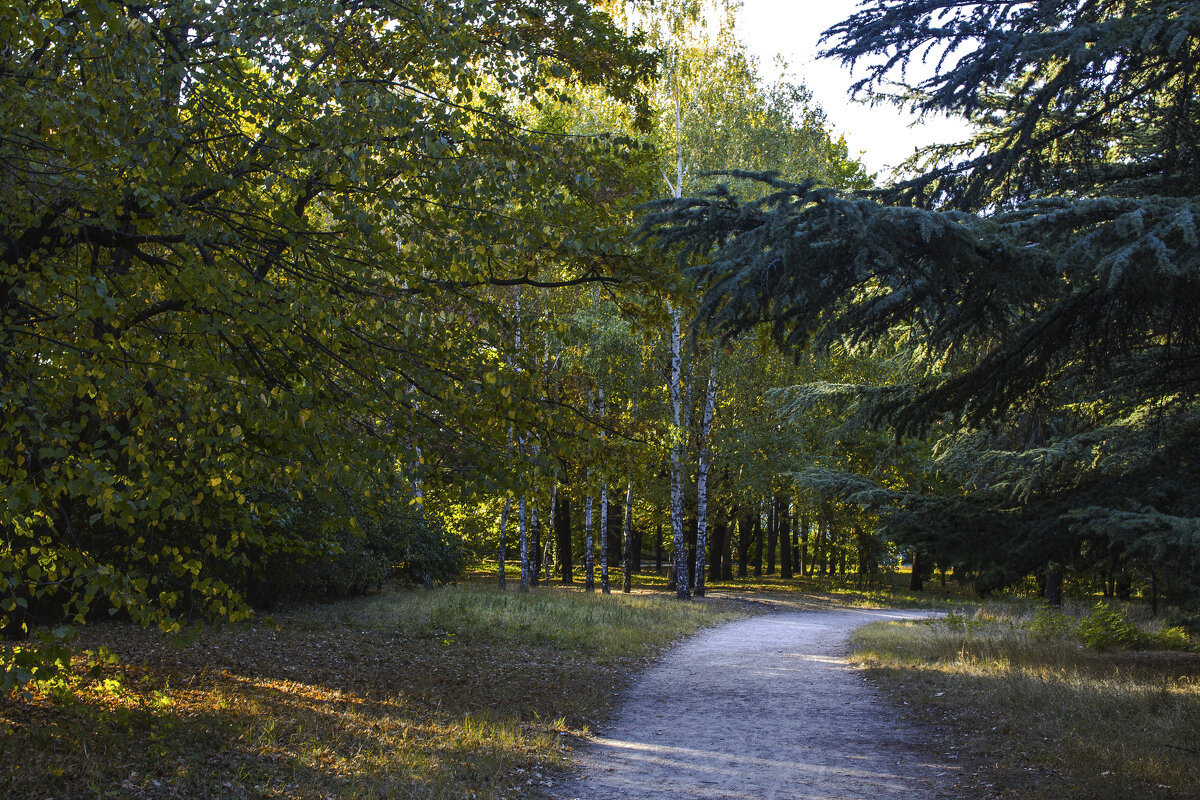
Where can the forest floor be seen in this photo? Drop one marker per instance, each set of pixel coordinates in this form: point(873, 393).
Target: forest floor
point(469, 691)
point(761, 708)
point(464, 691)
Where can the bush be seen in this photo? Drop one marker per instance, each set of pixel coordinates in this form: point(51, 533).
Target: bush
point(1173, 638)
point(427, 553)
point(335, 559)
point(1106, 629)
point(1051, 623)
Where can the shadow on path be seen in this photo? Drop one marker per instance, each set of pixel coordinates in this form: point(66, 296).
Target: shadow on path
point(762, 708)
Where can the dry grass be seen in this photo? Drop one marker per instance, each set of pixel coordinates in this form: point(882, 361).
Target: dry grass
point(458, 692)
point(823, 592)
point(1044, 717)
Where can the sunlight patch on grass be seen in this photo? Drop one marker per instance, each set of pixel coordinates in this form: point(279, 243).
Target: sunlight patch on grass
point(1093, 724)
point(458, 692)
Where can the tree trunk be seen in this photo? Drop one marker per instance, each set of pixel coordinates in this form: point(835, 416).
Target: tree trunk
point(1124, 586)
point(915, 583)
point(758, 544)
point(627, 561)
point(689, 536)
point(772, 533)
point(639, 543)
point(822, 543)
point(503, 544)
point(805, 562)
point(535, 541)
point(524, 546)
point(717, 548)
point(745, 534)
point(589, 572)
point(562, 529)
point(682, 589)
point(1054, 580)
point(785, 540)
point(603, 533)
point(727, 563)
point(658, 549)
point(710, 394)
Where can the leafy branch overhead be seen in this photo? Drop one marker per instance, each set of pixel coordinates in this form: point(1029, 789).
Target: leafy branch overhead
point(239, 248)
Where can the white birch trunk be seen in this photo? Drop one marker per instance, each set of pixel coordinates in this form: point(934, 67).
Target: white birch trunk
point(702, 476)
point(551, 542)
point(503, 541)
point(524, 546)
point(502, 550)
point(682, 590)
point(521, 450)
point(627, 534)
point(535, 533)
point(589, 578)
point(603, 532)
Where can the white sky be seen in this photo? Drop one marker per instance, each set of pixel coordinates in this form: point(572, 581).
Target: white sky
point(883, 134)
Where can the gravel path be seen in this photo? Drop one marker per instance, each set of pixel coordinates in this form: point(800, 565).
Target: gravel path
point(761, 708)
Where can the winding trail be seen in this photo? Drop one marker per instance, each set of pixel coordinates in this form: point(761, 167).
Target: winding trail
point(762, 708)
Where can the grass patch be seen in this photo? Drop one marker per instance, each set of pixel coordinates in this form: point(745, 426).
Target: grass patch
point(823, 592)
point(1040, 714)
point(458, 692)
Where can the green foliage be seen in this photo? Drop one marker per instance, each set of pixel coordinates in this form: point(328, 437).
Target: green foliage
point(247, 254)
point(1104, 628)
point(1052, 623)
point(1172, 638)
point(42, 659)
point(1034, 287)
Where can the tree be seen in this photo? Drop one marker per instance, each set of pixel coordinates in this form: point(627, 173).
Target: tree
point(1041, 278)
point(245, 259)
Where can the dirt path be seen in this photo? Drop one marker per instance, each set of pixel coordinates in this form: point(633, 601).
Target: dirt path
point(760, 709)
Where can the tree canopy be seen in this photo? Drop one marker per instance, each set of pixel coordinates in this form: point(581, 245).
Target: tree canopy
point(239, 248)
point(1041, 279)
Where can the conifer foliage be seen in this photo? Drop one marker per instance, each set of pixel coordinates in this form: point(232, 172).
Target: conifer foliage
point(1042, 279)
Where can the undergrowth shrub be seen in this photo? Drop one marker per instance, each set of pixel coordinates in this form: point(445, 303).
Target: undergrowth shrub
point(1051, 623)
point(334, 559)
point(1172, 638)
point(1105, 628)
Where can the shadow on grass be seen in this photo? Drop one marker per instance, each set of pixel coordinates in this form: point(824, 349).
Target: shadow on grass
point(331, 712)
point(1047, 718)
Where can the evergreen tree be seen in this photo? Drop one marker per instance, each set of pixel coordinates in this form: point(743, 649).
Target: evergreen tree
point(1041, 279)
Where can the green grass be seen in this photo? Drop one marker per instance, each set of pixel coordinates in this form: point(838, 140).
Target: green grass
point(593, 624)
point(1039, 715)
point(457, 692)
point(890, 591)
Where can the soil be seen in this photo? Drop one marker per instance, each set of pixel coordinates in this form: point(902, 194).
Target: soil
point(762, 708)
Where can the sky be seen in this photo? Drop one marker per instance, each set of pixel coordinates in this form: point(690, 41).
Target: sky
point(884, 135)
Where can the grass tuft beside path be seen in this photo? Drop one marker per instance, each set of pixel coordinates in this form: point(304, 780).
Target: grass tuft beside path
point(1039, 715)
point(457, 692)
